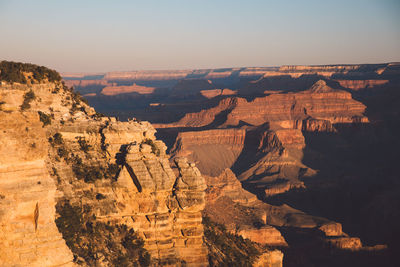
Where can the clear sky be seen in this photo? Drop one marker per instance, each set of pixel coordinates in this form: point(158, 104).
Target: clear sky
point(97, 36)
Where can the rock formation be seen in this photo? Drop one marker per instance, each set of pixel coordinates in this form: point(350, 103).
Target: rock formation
point(28, 233)
point(287, 110)
point(134, 88)
point(361, 84)
point(253, 219)
point(55, 150)
point(217, 92)
point(298, 135)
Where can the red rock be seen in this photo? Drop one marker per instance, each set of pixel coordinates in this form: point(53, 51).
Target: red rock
point(361, 84)
point(134, 88)
point(216, 92)
point(265, 235)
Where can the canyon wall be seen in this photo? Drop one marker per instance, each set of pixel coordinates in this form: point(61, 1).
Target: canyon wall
point(287, 110)
point(57, 153)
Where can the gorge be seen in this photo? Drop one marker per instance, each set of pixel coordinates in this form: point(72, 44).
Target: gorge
point(269, 166)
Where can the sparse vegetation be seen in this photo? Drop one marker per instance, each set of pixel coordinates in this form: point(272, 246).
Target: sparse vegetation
point(226, 249)
point(28, 98)
point(154, 148)
point(92, 242)
point(44, 118)
point(82, 171)
point(91, 173)
point(77, 97)
point(57, 139)
point(56, 90)
point(83, 144)
point(62, 152)
point(13, 72)
point(100, 196)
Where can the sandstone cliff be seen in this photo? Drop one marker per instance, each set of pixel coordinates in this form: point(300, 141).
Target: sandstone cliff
point(287, 110)
point(262, 140)
point(361, 84)
point(242, 213)
point(58, 157)
point(134, 88)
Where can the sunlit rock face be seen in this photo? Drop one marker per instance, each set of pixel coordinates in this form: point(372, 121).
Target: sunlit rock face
point(262, 140)
point(28, 233)
point(45, 160)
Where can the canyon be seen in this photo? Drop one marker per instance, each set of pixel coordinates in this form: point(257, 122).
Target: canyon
point(303, 156)
point(65, 170)
point(261, 166)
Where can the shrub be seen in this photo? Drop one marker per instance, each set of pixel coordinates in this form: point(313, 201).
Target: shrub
point(58, 140)
point(44, 118)
point(62, 152)
point(91, 240)
point(28, 97)
point(83, 144)
point(14, 72)
point(154, 148)
point(226, 249)
point(92, 173)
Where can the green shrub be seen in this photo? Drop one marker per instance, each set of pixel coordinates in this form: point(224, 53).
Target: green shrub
point(91, 240)
point(44, 118)
point(154, 148)
point(226, 249)
point(14, 72)
point(91, 173)
point(28, 97)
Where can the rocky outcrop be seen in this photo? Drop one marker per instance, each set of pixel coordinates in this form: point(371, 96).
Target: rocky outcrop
point(264, 235)
point(350, 243)
point(262, 139)
point(272, 258)
point(226, 184)
point(267, 160)
point(28, 233)
point(226, 193)
point(204, 117)
point(361, 84)
point(217, 92)
point(242, 213)
point(56, 150)
point(212, 150)
point(319, 102)
point(287, 110)
point(134, 88)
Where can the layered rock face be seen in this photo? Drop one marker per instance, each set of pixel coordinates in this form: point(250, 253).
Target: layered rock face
point(217, 92)
point(212, 150)
point(253, 219)
point(164, 209)
point(134, 88)
point(56, 150)
point(262, 140)
point(361, 84)
point(28, 233)
point(287, 110)
point(283, 123)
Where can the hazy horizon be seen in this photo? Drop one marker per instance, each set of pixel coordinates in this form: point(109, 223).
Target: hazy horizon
point(103, 36)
